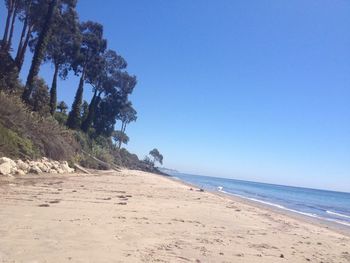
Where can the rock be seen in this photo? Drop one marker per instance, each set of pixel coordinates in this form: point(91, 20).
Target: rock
point(35, 170)
point(7, 160)
point(14, 170)
point(31, 163)
point(55, 166)
point(21, 172)
point(22, 165)
point(5, 168)
point(19, 167)
point(65, 167)
point(43, 167)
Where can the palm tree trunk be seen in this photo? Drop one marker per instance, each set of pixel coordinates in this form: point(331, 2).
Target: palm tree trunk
point(39, 51)
point(53, 92)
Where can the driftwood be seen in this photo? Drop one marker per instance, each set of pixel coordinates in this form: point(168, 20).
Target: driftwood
point(113, 166)
point(81, 169)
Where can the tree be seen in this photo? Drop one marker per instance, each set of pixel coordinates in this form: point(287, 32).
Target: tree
point(103, 80)
point(13, 6)
point(157, 157)
point(62, 46)
point(92, 45)
point(106, 112)
point(8, 73)
point(39, 51)
point(127, 114)
point(84, 110)
point(32, 15)
point(116, 87)
point(148, 161)
point(73, 121)
point(120, 138)
point(10, 7)
point(40, 96)
point(62, 107)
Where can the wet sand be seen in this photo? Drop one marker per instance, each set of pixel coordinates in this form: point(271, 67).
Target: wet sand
point(132, 216)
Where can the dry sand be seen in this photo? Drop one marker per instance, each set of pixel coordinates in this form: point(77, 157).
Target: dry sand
point(134, 216)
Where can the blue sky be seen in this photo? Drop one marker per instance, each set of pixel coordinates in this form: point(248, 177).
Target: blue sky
point(254, 90)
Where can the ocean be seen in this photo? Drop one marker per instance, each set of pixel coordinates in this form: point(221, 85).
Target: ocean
point(321, 204)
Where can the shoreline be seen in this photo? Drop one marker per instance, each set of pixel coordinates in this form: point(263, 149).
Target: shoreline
point(337, 227)
point(134, 216)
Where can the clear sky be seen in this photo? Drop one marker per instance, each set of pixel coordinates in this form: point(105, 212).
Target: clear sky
point(254, 90)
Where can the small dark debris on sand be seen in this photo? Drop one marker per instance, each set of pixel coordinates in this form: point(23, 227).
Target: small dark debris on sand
point(44, 205)
point(54, 201)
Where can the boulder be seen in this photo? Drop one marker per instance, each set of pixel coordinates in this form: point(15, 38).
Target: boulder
point(19, 167)
point(22, 165)
point(32, 163)
point(7, 160)
point(55, 166)
point(35, 170)
point(43, 167)
point(20, 172)
point(5, 168)
point(65, 167)
point(14, 169)
point(60, 171)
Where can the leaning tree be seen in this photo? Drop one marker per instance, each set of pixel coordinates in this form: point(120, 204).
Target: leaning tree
point(157, 157)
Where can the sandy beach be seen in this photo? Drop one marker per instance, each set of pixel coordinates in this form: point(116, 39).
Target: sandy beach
point(133, 216)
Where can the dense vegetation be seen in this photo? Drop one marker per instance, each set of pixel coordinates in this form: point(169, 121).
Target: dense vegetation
point(32, 122)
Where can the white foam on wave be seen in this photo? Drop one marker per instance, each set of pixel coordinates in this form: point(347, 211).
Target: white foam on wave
point(291, 210)
point(337, 214)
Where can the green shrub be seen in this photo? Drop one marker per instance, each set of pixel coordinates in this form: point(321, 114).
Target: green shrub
point(12, 145)
point(46, 135)
point(61, 118)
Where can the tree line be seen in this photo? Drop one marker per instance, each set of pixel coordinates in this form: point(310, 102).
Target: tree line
point(51, 30)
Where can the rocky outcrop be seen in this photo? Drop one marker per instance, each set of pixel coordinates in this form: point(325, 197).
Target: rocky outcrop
point(10, 167)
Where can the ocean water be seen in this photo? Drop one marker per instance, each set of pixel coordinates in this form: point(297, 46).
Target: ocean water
point(322, 204)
